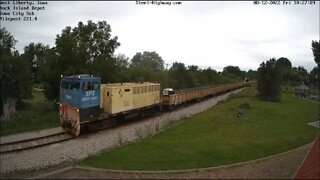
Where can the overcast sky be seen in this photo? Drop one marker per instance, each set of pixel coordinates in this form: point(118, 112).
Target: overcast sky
point(214, 34)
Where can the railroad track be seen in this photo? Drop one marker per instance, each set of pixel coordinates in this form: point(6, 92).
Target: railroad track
point(34, 142)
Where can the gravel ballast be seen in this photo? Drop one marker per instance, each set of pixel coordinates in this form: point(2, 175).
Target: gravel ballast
point(96, 143)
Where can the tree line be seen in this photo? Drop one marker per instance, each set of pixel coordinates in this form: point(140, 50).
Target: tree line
point(89, 49)
point(273, 74)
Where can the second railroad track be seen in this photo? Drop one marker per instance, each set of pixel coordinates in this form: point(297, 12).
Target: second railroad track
point(34, 142)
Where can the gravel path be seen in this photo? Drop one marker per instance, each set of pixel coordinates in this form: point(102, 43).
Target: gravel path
point(85, 146)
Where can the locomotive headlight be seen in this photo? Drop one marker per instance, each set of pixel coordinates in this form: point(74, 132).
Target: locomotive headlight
point(77, 110)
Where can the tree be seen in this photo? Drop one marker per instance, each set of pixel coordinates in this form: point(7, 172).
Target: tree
point(24, 77)
point(122, 68)
point(79, 48)
point(269, 81)
point(34, 54)
point(283, 63)
point(85, 49)
point(194, 75)
point(178, 76)
point(8, 80)
point(303, 74)
point(148, 59)
point(210, 77)
point(146, 66)
point(316, 52)
point(122, 60)
point(49, 74)
point(15, 77)
point(315, 76)
point(252, 74)
point(285, 68)
point(234, 71)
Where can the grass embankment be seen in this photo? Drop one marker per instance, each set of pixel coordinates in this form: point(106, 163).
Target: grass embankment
point(218, 137)
point(37, 114)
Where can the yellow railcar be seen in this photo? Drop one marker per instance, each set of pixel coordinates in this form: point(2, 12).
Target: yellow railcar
point(125, 97)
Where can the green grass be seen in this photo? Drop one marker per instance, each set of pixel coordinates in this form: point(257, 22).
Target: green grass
point(37, 114)
point(218, 137)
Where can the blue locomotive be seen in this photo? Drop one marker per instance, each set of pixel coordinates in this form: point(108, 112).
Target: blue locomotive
point(79, 101)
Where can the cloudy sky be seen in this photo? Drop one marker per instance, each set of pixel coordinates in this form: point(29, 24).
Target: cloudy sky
point(204, 33)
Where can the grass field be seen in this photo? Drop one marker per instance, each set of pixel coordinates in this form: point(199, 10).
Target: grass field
point(37, 114)
point(219, 137)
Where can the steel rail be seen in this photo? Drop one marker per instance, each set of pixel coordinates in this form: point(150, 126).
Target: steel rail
point(34, 142)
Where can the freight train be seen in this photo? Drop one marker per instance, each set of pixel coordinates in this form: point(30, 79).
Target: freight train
point(85, 102)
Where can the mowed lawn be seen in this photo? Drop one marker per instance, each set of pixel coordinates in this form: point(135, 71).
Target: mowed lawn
point(218, 137)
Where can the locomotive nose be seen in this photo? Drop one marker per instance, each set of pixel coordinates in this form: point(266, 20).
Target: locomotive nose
point(71, 126)
point(66, 124)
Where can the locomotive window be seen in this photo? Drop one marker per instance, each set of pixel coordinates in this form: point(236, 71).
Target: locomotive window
point(65, 85)
point(95, 85)
point(86, 86)
point(89, 86)
point(74, 85)
point(107, 93)
point(126, 90)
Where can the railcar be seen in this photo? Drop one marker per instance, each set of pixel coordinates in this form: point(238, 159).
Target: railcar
point(173, 98)
point(126, 97)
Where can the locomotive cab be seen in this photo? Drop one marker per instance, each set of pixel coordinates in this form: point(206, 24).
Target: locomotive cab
point(79, 101)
